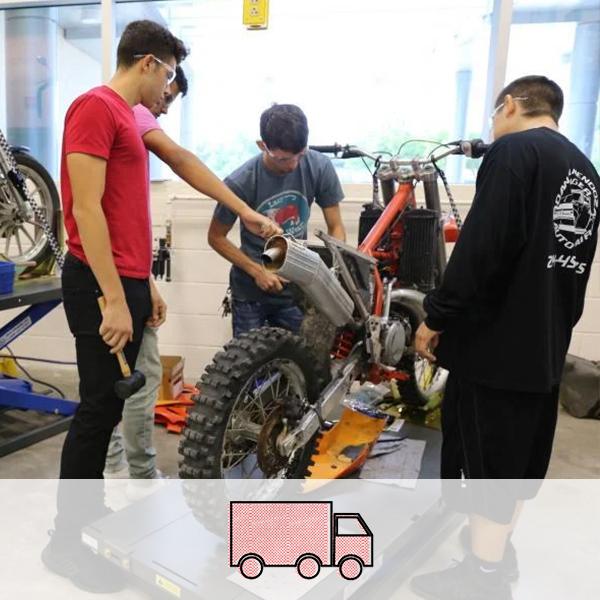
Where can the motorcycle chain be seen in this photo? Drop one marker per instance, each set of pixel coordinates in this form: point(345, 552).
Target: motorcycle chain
point(18, 181)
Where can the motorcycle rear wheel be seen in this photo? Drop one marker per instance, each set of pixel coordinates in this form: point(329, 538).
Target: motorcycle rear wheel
point(260, 384)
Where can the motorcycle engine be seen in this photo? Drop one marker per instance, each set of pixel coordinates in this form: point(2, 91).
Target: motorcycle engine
point(394, 336)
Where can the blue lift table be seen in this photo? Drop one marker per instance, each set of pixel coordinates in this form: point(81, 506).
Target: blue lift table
point(40, 296)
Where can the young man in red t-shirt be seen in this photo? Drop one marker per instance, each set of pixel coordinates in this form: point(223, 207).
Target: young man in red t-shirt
point(105, 191)
point(104, 181)
point(105, 194)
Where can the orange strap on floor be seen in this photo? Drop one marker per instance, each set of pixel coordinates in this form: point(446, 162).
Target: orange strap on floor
point(173, 413)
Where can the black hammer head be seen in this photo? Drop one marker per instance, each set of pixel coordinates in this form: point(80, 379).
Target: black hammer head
point(124, 388)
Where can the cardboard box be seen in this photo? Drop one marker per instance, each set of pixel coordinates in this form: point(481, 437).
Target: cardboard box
point(172, 377)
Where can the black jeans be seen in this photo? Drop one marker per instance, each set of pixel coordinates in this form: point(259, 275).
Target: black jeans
point(84, 451)
point(99, 411)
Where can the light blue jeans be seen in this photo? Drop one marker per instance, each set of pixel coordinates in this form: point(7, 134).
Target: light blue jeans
point(134, 444)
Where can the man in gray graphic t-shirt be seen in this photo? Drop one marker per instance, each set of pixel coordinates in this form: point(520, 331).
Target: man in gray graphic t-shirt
point(281, 182)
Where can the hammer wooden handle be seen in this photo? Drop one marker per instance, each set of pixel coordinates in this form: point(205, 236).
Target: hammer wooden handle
point(125, 370)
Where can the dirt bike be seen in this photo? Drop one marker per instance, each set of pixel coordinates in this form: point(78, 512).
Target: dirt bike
point(29, 208)
point(266, 397)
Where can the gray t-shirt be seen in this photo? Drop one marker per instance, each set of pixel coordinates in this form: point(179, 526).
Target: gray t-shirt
point(286, 199)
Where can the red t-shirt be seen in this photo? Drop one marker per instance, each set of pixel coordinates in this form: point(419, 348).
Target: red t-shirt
point(101, 123)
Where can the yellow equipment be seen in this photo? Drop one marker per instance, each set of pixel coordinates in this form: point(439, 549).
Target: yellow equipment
point(256, 14)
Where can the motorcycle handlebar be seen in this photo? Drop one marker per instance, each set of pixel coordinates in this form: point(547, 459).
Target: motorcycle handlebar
point(334, 149)
point(472, 148)
point(343, 151)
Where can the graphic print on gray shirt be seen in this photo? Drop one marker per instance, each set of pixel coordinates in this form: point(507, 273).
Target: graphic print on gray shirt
point(287, 200)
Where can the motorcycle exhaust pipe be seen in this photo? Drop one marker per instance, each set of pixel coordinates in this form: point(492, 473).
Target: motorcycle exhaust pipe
point(296, 263)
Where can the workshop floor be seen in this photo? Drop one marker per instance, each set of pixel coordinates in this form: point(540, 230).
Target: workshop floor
point(576, 448)
point(575, 456)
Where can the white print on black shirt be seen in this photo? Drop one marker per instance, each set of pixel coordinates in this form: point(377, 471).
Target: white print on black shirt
point(567, 262)
point(575, 210)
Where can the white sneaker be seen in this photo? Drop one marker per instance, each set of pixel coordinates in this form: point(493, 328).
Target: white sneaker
point(138, 489)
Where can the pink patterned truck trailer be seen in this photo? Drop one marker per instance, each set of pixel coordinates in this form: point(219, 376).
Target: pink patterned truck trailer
point(305, 535)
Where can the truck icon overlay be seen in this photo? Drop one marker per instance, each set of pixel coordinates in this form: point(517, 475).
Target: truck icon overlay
point(305, 535)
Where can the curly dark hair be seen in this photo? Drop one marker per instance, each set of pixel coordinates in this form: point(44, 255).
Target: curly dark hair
point(148, 37)
point(544, 96)
point(284, 127)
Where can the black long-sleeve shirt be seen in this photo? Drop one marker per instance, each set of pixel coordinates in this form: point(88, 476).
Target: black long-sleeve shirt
point(514, 286)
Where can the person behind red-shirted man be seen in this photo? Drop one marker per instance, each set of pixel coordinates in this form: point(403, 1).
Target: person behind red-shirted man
point(105, 194)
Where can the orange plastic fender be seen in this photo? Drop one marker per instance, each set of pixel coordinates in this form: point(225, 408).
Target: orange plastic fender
point(345, 447)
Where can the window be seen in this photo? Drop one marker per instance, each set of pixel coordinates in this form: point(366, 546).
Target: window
point(49, 55)
point(373, 74)
point(561, 39)
point(349, 525)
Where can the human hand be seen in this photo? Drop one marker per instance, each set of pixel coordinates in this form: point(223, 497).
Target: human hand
point(426, 341)
point(116, 328)
point(159, 307)
point(268, 282)
point(260, 225)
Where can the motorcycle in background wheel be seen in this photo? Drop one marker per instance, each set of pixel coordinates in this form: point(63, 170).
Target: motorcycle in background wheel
point(23, 237)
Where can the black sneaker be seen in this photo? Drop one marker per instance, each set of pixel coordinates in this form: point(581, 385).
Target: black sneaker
point(509, 564)
point(86, 570)
point(463, 581)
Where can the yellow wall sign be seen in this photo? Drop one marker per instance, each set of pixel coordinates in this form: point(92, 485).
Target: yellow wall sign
point(256, 14)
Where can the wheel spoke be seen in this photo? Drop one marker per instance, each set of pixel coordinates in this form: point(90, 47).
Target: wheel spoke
point(241, 456)
point(27, 234)
point(287, 389)
point(18, 238)
point(3, 228)
point(35, 223)
point(278, 385)
point(248, 430)
point(257, 403)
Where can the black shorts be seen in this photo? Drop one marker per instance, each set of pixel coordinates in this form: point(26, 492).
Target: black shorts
point(491, 435)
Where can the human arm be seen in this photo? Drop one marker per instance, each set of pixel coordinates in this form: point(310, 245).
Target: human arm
point(193, 171)
point(87, 176)
point(333, 219)
point(491, 239)
point(159, 306)
point(218, 240)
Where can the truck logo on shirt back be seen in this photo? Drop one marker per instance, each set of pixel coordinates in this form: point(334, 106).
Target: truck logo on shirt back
point(575, 210)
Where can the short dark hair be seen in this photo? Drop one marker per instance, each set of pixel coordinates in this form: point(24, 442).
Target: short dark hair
point(181, 81)
point(148, 37)
point(544, 96)
point(284, 127)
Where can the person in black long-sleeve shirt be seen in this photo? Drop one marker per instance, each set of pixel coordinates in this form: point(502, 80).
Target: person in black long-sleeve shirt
point(502, 318)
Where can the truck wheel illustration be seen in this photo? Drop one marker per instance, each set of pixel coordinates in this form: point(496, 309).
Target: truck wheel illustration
point(308, 566)
point(350, 568)
point(251, 566)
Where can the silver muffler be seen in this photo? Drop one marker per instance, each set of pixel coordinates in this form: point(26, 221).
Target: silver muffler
point(295, 262)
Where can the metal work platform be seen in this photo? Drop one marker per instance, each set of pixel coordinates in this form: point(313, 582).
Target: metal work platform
point(172, 543)
point(40, 296)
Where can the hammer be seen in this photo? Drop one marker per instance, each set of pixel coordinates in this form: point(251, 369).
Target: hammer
point(131, 382)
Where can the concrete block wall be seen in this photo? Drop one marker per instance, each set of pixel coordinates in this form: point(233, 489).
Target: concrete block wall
point(194, 327)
